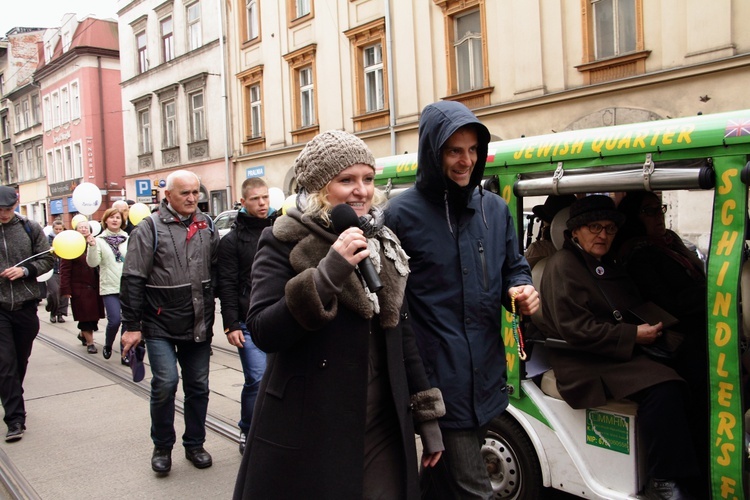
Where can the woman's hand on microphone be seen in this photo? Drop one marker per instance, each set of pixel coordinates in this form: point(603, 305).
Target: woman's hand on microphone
point(352, 245)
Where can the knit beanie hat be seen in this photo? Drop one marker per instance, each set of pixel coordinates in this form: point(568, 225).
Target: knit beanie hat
point(326, 155)
point(593, 208)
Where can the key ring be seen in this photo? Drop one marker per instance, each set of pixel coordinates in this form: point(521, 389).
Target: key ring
point(517, 333)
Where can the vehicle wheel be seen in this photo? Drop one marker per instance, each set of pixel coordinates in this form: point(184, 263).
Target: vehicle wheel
point(511, 461)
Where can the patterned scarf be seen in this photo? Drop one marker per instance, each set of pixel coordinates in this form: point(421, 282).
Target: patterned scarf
point(114, 243)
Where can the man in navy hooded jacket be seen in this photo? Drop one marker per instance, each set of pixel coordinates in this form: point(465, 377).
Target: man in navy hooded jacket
point(465, 265)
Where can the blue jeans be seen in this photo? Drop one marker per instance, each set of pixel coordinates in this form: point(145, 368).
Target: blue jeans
point(461, 471)
point(253, 366)
point(112, 306)
point(193, 357)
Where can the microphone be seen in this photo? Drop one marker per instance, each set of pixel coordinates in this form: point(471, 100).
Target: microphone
point(343, 217)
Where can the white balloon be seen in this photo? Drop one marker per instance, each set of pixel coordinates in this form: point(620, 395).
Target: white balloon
point(47, 230)
point(44, 277)
point(276, 198)
point(87, 198)
point(96, 228)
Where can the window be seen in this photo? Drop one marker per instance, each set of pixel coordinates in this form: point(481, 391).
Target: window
point(51, 168)
point(68, 163)
point(252, 97)
point(5, 127)
point(302, 66)
point(144, 131)
point(252, 19)
point(301, 8)
point(614, 27)
point(140, 44)
point(26, 113)
point(197, 117)
point(77, 160)
point(468, 46)
point(21, 168)
point(30, 165)
point(167, 39)
point(613, 44)
point(75, 101)
point(256, 127)
point(306, 89)
point(373, 64)
point(169, 124)
point(299, 11)
point(39, 161)
point(47, 113)
point(55, 109)
point(2, 84)
point(59, 165)
point(35, 111)
point(17, 107)
point(370, 75)
point(466, 50)
point(195, 36)
point(65, 102)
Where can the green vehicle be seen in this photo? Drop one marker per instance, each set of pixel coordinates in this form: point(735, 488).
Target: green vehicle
point(540, 441)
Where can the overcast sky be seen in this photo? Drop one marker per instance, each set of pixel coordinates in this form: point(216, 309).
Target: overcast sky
point(48, 13)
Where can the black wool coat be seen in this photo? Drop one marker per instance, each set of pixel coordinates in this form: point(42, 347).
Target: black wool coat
point(311, 409)
point(604, 358)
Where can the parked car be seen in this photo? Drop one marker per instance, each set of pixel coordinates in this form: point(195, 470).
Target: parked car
point(223, 222)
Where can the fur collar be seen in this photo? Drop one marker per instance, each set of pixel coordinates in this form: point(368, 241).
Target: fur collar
point(311, 244)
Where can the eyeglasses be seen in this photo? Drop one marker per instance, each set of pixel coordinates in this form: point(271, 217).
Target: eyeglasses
point(596, 228)
point(653, 211)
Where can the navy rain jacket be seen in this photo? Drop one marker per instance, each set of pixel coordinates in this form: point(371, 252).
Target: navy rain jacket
point(463, 261)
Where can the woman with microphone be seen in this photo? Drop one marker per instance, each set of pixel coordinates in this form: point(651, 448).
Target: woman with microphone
point(344, 387)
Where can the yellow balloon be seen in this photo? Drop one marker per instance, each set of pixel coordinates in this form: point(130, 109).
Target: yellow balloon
point(69, 244)
point(290, 202)
point(76, 219)
point(138, 212)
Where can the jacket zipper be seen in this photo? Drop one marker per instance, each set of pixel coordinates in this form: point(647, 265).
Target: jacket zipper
point(484, 266)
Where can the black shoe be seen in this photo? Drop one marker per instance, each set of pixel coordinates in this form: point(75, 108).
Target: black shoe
point(52, 319)
point(82, 339)
point(60, 319)
point(125, 361)
point(199, 457)
point(243, 440)
point(664, 489)
point(15, 433)
point(106, 352)
point(161, 460)
point(91, 349)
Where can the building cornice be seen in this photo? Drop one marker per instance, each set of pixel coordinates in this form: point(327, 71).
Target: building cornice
point(74, 53)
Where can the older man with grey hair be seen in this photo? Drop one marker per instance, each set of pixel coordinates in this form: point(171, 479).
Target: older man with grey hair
point(167, 299)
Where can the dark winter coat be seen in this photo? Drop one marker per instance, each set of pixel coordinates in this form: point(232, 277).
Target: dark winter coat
point(16, 244)
point(603, 362)
point(461, 270)
point(235, 262)
point(167, 284)
point(310, 413)
point(81, 283)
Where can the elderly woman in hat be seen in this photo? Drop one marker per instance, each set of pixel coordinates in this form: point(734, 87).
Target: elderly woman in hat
point(345, 387)
point(582, 292)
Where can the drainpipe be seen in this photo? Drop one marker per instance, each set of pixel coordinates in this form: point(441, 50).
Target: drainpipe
point(101, 126)
point(391, 88)
point(225, 115)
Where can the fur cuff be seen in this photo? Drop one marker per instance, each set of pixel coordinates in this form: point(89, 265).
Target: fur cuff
point(427, 405)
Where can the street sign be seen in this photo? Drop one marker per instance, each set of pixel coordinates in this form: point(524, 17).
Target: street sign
point(255, 172)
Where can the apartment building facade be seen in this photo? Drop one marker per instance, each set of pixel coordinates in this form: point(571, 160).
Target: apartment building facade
point(22, 158)
point(525, 68)
point(79, 80)
point(173, 97)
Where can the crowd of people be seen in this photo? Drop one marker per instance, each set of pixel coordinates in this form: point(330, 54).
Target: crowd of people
point(345, 371)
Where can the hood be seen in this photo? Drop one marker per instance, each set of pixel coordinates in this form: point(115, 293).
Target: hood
point(438, 122)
